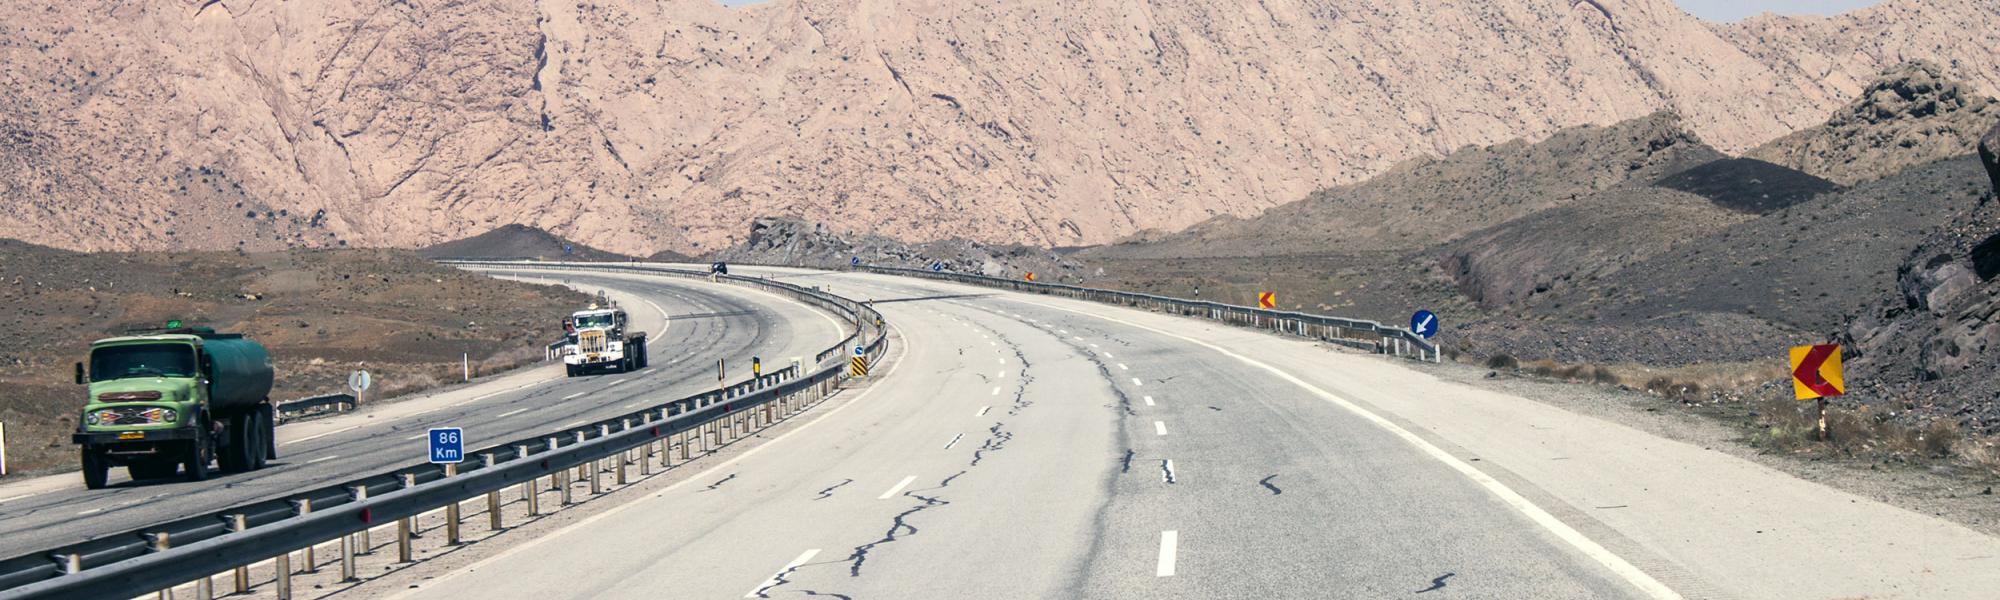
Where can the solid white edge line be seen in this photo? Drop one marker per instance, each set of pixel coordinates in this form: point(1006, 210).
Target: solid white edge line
point(1645, 583)
point(808, 555)
point(899, 487)
point(1169, 547)
point(902, 350)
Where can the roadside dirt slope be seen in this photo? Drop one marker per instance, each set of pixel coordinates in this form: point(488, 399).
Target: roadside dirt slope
point(518, 241)
point(641, 126)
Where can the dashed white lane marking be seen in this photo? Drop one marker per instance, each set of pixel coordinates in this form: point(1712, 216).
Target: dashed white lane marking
point(1149, 401)
point(91, 511)
point(511, 413)
point(1092, 344)
point(574, 396)
point(996, 390)
point(1107, 354)
point(981, 413)
point(773, 581)
point(1003, 361)
point(418, 436)
point(573, 424)
point(1135, 381)
point(613, 384)
point(649, 370)
point(954, 441)
point(898, 489)
point(13, 498)
point(1159, 428)
point(323, 459)
point(1122, 367)
point(1063, 331)
point(1169, 546)
point(1080, 338)
point(1618, 565)
point(634, 404)
point(319, 435)
point(1002, 375)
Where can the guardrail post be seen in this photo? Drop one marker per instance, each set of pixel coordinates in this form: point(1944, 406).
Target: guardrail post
point(159, 544)
point(304, 507)
point(596, 465)
point(493, 497)
point(528, 491)
point(363, 544)
point(204, 588)
point(561, 477)
point(347, 557)
point(282, 582)
point(403, 525)
point(451, 511)
point(236, 524)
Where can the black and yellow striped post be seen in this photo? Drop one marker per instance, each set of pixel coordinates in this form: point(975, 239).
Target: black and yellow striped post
point(858, 366)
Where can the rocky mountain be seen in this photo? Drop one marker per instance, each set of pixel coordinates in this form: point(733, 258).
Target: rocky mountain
point(518, 241)
point(1930, 344)
point(1913, 115)
point(641, 126)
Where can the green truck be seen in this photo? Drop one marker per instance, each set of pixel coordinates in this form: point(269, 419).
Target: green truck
point(169, 401)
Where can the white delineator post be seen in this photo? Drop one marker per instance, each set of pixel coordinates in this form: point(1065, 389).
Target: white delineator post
point(3, 448)
point(465, 362)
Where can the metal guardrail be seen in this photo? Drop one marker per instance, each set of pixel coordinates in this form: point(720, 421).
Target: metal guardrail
point(293, 409)
point(1367, 335)
point(196, 548)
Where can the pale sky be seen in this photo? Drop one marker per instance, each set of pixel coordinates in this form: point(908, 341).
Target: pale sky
point(1732, 10)
point(1713, 10)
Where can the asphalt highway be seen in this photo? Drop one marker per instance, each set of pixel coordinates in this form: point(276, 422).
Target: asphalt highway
point(1017, 450)
point(692, 324)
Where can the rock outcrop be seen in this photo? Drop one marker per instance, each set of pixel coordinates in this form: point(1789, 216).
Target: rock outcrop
point(1989, 154)
point(1912, 115)
point(639, 126)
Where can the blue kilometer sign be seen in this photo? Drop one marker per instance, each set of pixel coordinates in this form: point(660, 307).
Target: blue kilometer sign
point(447, 445)
point(1424, 323)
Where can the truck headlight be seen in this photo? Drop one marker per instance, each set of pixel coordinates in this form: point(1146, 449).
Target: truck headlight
point(167, 415)
point(91, 418)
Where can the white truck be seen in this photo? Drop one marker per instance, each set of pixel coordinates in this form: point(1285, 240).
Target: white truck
point(599, 339)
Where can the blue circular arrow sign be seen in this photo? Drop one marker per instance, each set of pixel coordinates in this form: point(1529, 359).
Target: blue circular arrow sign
point(856, 261)
point(860, 351)
point(1424, 323)
point(937, 267)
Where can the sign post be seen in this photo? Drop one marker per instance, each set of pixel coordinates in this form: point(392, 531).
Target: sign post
point(358, 382)
point(447, 445)
point(1816, 375)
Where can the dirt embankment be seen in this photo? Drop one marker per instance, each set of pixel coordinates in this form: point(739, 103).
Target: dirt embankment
point(322, 314)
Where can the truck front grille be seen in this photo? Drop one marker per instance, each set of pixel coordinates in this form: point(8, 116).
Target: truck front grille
point(130, 415)
point(590, 342)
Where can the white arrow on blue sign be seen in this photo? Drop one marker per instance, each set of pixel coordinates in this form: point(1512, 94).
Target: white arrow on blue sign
point(860, 351)
point(447, 445)
point(937, 267)
point(856, 261)
point(1424, 323)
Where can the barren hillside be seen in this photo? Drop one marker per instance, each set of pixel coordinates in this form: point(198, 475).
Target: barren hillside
point(640, 126)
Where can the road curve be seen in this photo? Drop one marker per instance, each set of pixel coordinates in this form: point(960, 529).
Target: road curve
point(1024, 446)
point(702, 322)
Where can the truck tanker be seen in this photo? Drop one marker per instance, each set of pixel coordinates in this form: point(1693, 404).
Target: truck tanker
point(169, 401)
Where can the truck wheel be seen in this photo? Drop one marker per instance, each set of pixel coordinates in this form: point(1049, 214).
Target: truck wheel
point(195, 465)
point(234, 455)
point(257, 438)
point(95, 469)
point(270, 418)
point(642, 353)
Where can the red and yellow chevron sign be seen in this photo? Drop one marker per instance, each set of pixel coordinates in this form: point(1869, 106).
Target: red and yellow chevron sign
point(1267, 300)
point(1816, 372)
point(1030, 276)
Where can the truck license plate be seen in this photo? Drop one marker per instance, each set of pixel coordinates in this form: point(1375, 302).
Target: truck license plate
point(132, 435)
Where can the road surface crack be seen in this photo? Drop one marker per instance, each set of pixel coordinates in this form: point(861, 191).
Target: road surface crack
point(718, 483)
point(1266, 482)
point(900, 526)
point(994, 443)
point(1125, 466)
point(1437, 583)
point(828, 492)
point(1167, 471)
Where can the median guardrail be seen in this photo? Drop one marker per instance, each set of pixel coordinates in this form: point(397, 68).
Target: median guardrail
point(1358, 333)
point(196, 549)
point(291, 410)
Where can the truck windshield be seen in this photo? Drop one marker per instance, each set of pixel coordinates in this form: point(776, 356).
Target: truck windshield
point(145, 360)
point(593, 321)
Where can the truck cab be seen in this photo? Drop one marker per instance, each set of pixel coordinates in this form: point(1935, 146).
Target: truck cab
point(597, 339)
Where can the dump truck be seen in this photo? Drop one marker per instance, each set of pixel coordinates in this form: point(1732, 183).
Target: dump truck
point(598, 339)
point(170, 401)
